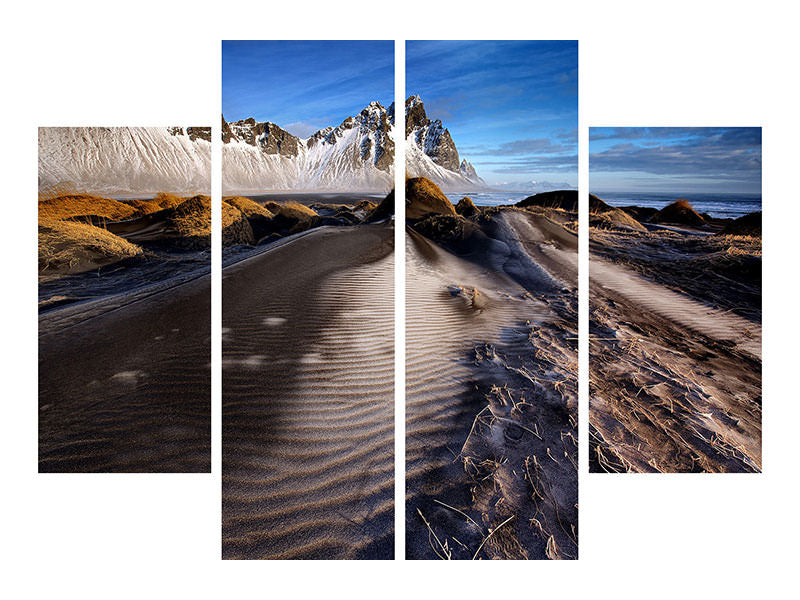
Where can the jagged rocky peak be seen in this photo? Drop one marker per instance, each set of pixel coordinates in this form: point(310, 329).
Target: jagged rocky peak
point(270, 138)
point(415, 114)
point(274, 140)
point(356, 154)
point(430, 136)
point(194, 133)
point(467, 169)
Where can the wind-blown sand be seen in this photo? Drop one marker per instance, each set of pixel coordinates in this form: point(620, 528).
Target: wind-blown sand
point(308, 405)
point(675, 352)
point(124, 381)
point(491, 401)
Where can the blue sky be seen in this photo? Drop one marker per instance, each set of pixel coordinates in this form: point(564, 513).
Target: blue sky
point(304, 86)
point(675, 159)
point(511, 106)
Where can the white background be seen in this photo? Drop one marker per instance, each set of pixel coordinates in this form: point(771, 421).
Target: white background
point(158, 63)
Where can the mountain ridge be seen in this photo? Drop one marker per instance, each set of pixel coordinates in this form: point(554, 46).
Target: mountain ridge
point(357, 154)
point(125, 160)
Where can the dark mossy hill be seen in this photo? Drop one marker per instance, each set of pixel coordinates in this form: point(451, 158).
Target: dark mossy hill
point(679, 212)
point(640, 213)
point(749, 224)
point(563, 199)
point(384, 210)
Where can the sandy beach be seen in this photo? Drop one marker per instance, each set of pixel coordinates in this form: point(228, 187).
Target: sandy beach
point(491, 401)
point(125, 381)
point(124, 334)
point(308, 405)
point(675, 348)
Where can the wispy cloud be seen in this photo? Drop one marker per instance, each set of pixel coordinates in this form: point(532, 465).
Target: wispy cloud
point(509, 105)
point(726, 156)
point(521, 147)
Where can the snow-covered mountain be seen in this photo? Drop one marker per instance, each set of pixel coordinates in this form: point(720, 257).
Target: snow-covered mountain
point(357, 155)
point(125, 160)
point(431, 152)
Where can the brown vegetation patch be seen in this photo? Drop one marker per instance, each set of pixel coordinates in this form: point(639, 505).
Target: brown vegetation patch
point(162, 201)
point(236, 228)
point(247, 206)
point(466, 207)
point(67, 247)
point(79, 205)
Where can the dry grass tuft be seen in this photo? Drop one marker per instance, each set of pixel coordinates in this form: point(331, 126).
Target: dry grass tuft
point(424, 197)
point(79, 205)
point(247, 206)
point(295, 210)
point(67, 247)
point(235, 227)
point(162, 201)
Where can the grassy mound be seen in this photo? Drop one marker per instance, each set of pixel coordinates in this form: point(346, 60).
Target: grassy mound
point(466, 207)
point(640, 213)
point(160, 202)
point(236, 228)
point(81, 205)
point(747, 225)
point(365, 206)
point(423, 197)
point(679, 212)
point(247, 206)
point(615, 218)
point(384, 210)
point(287, 218)
point(598, 205)
point(67, 247)
point(191, 218)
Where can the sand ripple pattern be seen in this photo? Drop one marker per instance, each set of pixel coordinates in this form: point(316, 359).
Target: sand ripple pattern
point(125, 382)
point(308, 411)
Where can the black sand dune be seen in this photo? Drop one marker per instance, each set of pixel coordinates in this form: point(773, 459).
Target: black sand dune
point(308, 384)
point(124, 382)
point(491, 400)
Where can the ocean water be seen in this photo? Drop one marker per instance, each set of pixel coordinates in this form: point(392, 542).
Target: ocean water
point(721, 206)
point(489, 198)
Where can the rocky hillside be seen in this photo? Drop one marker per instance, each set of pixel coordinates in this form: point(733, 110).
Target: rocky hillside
point(431, 152)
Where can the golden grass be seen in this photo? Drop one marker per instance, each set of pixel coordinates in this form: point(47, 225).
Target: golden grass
point(247, 206)
point(161, 201)
point(424, 197)
point(235, 227)
point(192, 217)
point(77, 205)
point(70, 247)
point(295, 210)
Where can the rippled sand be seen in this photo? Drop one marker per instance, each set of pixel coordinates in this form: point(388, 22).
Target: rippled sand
point(308, 398)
